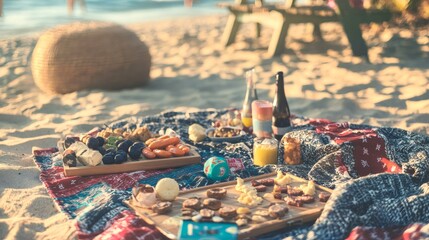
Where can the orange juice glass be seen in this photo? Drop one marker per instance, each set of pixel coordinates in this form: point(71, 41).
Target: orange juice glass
point(265, 151)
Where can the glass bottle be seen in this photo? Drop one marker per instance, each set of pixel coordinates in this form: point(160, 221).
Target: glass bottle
point(251, 95)
point(281, 112)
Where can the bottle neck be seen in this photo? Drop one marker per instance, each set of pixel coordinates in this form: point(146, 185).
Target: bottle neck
point(280, 90)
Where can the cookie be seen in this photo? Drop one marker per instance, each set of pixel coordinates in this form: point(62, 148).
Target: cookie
point(212, 203)
point(243, 210)
point(277, 210)
point(193, 203)
point(167, 189)
point(162, 207)
point(217, 193)
point(324, 196)
point(228, 212)
point(258, 219)
point(261, 188)
point(188, 212)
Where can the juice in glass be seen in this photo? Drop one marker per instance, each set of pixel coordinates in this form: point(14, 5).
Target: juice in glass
point(265, 151)
point(247, 121)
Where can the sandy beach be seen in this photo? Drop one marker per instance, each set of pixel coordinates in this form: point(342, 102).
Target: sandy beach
point(191, 70)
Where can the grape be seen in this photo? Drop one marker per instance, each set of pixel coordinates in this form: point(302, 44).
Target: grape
point(92, 143)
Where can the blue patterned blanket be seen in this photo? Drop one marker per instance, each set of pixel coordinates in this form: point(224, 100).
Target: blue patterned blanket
point(379, 175)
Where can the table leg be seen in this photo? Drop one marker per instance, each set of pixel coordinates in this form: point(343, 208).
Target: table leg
point(278, 39)
point(231, 30)
point(351, 25)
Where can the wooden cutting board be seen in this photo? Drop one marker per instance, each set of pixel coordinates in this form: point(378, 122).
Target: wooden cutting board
point(169, 225)
point(129, 166)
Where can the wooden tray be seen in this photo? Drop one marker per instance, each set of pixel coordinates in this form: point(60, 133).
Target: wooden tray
point(295, 216)
point(143, 164)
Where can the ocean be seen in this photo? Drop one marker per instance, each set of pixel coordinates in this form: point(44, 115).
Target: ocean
point(22, 17)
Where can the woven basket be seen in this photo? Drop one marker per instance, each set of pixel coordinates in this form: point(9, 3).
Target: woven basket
point(89, 55)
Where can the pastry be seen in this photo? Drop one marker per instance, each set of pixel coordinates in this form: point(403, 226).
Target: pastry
point(167, 189)
point(162, 207)
point(261, 188)
point(143, 195)
point(324, 196)
point(228, 212)
point(193, 203)
point(243, 210)
point(309, 188)
point(212, 203)
point(277, 210)
point(282, 179)
point(217, 193)
point(241, 222)
point(305, 198)
point(294, 191)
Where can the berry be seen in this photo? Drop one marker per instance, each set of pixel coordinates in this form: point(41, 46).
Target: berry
point(119, 141)
point(68, 141)
point(101, 141)
point(102, 150)
point(120, 158)
point(93, 143)
point(125, 145)
point(135, 152)
point(111, 150)
point(108, 159)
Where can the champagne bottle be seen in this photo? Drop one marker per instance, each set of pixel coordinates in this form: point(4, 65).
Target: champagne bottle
point(281, 112)
point(246, 113)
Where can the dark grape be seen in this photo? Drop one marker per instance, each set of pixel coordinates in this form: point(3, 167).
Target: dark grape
point(120, 158)
point(108, 159)
point(119, 141)
point(69, 141)
point(102, 150)
point(92, 143)
point(125, 145)
point(111, 150)
point(135, 152)
point(101, 141)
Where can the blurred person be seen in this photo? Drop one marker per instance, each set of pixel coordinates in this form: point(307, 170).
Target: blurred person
point(188, 3)
point(70, 5)
point(1, 8)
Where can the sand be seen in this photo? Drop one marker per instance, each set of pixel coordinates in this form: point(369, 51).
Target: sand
point(192, 71)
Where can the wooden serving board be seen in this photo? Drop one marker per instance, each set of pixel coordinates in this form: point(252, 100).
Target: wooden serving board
point(169, 225)
point(129, 166)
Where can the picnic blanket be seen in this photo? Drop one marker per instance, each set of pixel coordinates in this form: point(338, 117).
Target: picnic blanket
point(380, 177)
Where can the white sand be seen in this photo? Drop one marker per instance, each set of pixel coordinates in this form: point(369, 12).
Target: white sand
point(191, 70)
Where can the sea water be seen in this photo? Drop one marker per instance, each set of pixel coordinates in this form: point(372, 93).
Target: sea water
point(27, 16)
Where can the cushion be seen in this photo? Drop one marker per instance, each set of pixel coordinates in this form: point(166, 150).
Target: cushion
point(88, 55)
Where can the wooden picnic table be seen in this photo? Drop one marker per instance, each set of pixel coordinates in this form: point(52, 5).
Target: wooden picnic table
point(279, 17)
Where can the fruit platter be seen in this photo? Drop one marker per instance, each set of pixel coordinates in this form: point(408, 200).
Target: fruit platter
point(109, 150)
point(256, 205)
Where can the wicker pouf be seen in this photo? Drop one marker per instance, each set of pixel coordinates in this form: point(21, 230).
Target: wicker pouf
point(89, 55)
